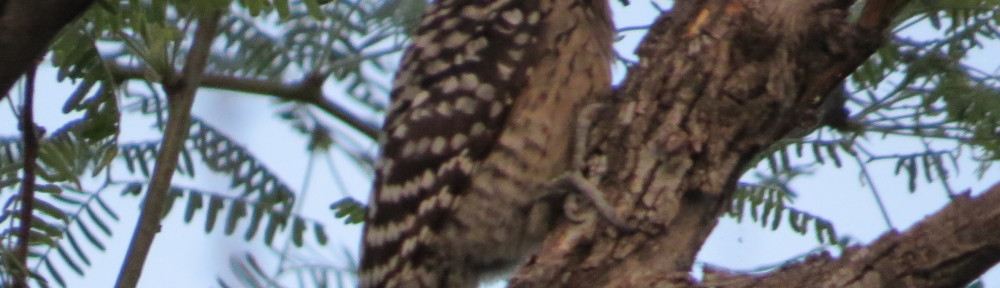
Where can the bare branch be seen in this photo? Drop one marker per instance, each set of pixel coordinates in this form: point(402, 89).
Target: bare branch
point(30, 138)
point(306, 91)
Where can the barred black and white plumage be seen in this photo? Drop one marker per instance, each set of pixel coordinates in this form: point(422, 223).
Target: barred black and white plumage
point(478, 125)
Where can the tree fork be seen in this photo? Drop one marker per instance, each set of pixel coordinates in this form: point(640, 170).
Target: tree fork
point(717, 82)
point(180, 97)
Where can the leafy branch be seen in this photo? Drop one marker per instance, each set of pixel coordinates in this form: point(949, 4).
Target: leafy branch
point(180, 97)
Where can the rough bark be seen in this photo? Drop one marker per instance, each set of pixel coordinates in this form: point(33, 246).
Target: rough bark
point(949, 249)
point(27, 27)
point(717, 82)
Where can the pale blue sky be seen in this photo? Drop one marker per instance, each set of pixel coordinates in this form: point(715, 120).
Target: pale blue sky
point(184, 257)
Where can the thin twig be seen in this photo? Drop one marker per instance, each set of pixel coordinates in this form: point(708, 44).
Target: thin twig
point(878, 198)
point(294, 92)
point(295, 209)
point(180, 97)
point(28, 135)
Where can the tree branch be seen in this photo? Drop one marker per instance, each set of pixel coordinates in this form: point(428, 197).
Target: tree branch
point(27, 27)
point(877, 15)
point(30, 138)
point(949, 249)
point(180, 97)
point(306, 91)
point(718, 81)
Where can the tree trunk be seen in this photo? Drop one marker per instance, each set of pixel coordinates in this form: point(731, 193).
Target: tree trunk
point(719, 81)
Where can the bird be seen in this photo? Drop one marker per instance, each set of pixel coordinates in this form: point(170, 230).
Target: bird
point(481, 121)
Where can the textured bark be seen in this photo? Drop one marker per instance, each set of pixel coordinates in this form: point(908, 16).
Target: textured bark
point(717, 82)
point(949, 249)
point(27, 27)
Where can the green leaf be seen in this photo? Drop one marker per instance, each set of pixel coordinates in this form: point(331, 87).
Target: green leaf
point(38, 278)
point(107, 156)
point(54, 272)
point(172, 194)
point(47, 208)
point(313, 8)
point(39, 238)
point(298, 229)
point(76, 248)
point(236, 212)
point(282, 7)
point(194, 203)
point(104, 206)
point(253, 6)
point(97, 220)
point(90, 236)
point(214, 205)
point(320, 233)
point(101, 122)
point(271, 229)
point(187, 163)
point(748, 198)
point(352, 211)
point(69, 261)
point(254, 225)
point(776, 221)
point(74, 100)
point(46, 230)
point(143, 165)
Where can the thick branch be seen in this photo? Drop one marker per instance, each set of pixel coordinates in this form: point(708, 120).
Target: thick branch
point(949, 249)
point(26, 29)
point(180, 97)
point(717, 82)
point(307, 91)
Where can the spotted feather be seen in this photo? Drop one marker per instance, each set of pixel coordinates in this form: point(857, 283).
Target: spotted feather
point(449, 99)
